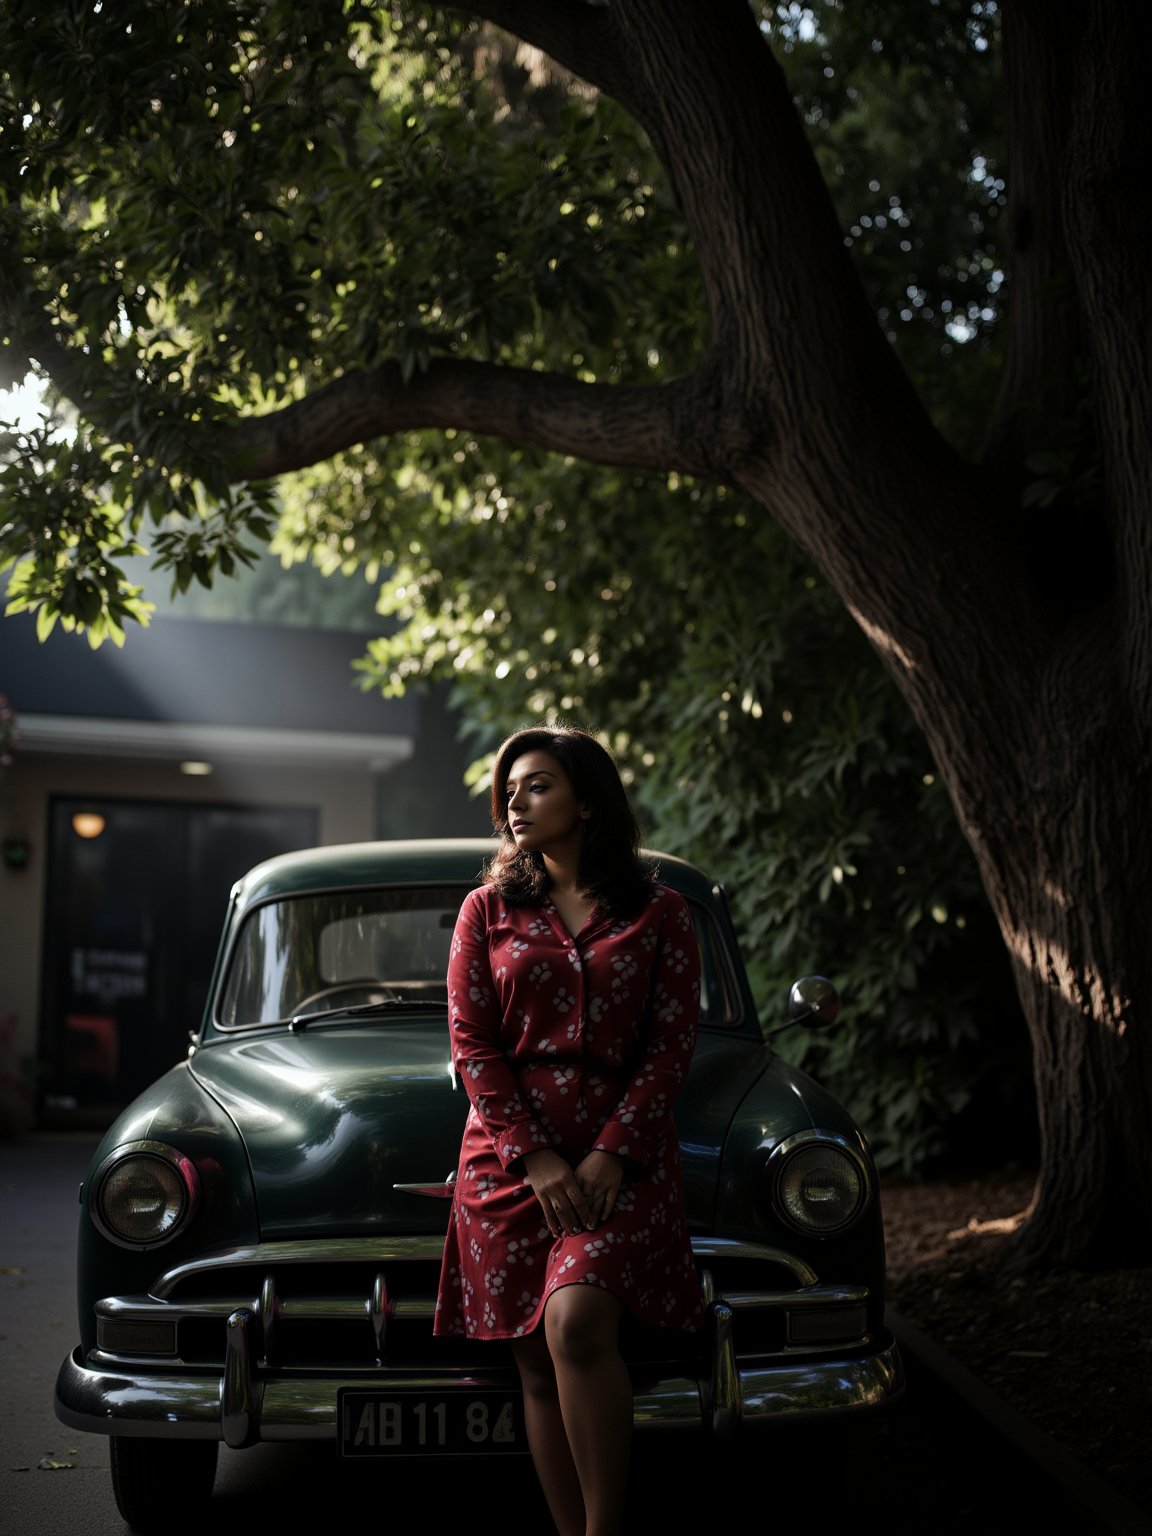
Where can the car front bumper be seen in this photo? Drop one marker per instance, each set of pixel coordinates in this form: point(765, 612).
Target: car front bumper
point(779, 1345)
point(241, 1408)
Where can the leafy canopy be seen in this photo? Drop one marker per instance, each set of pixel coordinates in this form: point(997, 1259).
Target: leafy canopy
point(211, 209)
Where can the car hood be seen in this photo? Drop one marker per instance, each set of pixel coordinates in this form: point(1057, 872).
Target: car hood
point(333, 1118)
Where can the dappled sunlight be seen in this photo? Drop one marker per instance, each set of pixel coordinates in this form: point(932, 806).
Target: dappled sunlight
point(886, 644)
point(24, 406)
point(997, 1226)
point(1082, 990)
point(950, 1220)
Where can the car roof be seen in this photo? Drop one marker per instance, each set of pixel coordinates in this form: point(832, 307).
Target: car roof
point(416, 861)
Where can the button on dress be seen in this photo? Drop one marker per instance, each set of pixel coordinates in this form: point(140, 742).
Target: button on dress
point(575, 1043)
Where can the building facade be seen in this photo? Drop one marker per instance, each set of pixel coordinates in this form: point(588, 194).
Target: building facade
point(142, 782)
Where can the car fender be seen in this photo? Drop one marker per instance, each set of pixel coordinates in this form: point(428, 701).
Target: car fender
point(178, 1112)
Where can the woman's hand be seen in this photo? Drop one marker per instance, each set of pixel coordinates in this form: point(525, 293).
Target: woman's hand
point(559, 1192)
point(600, 1176)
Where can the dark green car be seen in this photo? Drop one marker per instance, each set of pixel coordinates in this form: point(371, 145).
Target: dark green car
point(261, 1230)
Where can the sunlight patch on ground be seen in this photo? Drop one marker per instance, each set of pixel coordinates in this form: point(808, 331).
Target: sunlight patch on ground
point(998, 1225)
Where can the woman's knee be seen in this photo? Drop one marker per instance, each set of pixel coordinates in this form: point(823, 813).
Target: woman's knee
point(582, 1325)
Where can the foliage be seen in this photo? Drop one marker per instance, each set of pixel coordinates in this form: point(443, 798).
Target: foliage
point(271, 590)
point(760, 738)
point(904, 120)
point(224, 205)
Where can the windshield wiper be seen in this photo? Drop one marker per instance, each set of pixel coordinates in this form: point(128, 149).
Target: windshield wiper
point(300, 1021)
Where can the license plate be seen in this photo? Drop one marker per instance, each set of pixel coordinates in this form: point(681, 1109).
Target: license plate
point(455, 1423)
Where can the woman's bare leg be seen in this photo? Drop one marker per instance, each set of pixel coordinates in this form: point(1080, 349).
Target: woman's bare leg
point(582, 1326)
point(547, 1439)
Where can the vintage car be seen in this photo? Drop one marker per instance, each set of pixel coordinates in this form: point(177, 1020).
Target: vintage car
point(261, 1230)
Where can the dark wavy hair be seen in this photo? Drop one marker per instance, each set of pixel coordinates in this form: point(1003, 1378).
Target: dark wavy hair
point(612, 871)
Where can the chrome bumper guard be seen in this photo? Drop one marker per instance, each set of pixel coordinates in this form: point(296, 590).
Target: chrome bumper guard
point(250, 1401)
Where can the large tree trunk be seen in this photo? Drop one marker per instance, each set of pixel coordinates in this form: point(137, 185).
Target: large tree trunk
point(1041, 733)
point(1049, 771)
point(1066, 849)
point(1020, 640)
point(1074, 912)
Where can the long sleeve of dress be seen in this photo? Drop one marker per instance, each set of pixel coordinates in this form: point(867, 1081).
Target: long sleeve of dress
point(478, 1052)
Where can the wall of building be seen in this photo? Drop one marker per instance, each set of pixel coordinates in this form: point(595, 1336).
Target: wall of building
point(276, 711)
point(345, 800)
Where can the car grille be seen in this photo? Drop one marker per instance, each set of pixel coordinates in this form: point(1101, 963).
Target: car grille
point(358, 1306)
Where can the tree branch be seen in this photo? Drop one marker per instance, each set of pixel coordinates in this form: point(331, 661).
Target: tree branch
point(1105, 201)
point(787, 307)
point(706, 87)
point(1105, 204)
point(1044, 353)
point(647, 428)
point(580, 35)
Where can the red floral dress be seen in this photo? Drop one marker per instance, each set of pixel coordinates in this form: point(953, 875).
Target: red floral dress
point(578, 1044)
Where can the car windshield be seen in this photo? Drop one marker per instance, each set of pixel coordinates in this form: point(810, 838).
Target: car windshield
point(333, 951)
point(340, 949)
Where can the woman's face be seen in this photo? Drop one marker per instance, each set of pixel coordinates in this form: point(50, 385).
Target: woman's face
point(543, 812)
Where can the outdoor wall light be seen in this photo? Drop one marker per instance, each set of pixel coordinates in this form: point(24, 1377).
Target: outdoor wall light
point(88, 824)
point(196, 769)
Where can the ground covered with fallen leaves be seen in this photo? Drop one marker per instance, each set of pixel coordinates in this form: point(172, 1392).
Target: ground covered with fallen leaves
point(1071, 1351)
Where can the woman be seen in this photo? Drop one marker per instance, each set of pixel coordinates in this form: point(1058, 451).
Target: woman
point(574, 995)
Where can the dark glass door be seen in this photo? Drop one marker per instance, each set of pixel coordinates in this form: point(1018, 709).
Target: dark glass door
point(136, 899)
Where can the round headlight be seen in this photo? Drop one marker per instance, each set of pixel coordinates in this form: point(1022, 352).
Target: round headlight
point(820, 1183)
point(143, 1194)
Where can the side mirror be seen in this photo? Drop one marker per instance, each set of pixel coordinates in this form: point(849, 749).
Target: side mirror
point(813, 1002)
